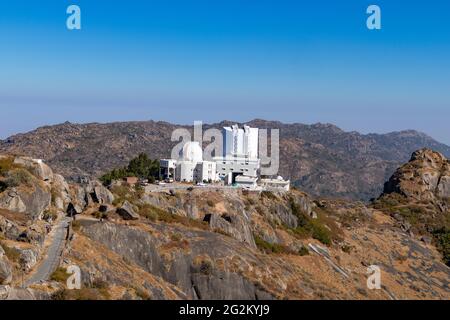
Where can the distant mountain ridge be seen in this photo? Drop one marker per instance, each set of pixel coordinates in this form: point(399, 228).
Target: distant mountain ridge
point(321, 159)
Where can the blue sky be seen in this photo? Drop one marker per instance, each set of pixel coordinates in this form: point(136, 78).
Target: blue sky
point(180, 61)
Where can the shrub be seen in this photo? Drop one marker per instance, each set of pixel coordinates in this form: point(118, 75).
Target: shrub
point(17, 177)
point(204, 264)
point(222, 232)
point(346, 248)
point(54, 194)
point(268, 195)
point(12, 254)
point(123, 193)
point(60, 275)
point(173, 218)
point(142, 294)
point(150, 212)
point(442, 238)
point(76, 225)
point(303, 251)
point(176, 237)
point(268, 247)
point(321, 233)
point(315, 228)
point(139, 190)
point(102, 286)
point(206, 267)
point(389, 202)
point(251, 201)
point(6, 164)
point(303, 218)
point(83, 294)
point(260, 210)
point(157, 214)
point(50, 214)
point(3, 186)
point(141, 166)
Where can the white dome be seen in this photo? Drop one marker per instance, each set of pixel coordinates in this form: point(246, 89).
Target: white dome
point(192, 152)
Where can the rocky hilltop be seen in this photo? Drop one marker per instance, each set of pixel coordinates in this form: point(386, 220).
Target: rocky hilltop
point(418, 197)
point(207, 243)
point(426, 177)
point(321, 159)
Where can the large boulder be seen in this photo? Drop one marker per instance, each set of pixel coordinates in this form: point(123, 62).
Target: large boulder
point(33, 234)
point(235, 226)
point(8, 229)
point(28, 258)
point(10, 293)
point(127, 212)
point(73, 210)
point(90, 193)
point(37, 200)
point(80, 197)
point(60, 192)
point(288, 207)
point(11, 200)
point(5, 268)
point(443, 188)
point(284, 214)
point(196, 272)
point(32, 199)
point(37, 167)
point(103, 195)
point(106, 208)
point(426, 177)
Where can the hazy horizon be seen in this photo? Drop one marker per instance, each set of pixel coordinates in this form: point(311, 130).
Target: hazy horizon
point(3, 137)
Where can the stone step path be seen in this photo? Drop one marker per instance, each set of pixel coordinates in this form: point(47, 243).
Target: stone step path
point(54, 252)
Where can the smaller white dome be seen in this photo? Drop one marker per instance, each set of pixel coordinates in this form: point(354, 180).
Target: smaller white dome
point(192, 152)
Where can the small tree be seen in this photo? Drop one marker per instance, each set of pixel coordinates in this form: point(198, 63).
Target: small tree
point(141, 166)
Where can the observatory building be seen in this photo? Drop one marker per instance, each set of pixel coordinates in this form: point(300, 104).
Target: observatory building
point(238, 166)
point(190, 166)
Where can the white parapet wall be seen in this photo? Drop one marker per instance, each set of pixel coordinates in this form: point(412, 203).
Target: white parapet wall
point(278, 184)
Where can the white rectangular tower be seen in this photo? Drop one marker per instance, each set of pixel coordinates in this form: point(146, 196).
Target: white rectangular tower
point(240, 153)
point(241, 143)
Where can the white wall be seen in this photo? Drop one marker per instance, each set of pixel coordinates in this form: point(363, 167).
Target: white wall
point(241, 142)
point(205, 171)
point(185, 171)
point(252, 143)
point(238, 165)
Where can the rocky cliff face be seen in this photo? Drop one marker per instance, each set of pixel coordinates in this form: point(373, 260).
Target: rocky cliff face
point(195, 245)
point(227, 243)
point(32, 197)
point(191, 268)
point(417, 196)
point(426, 177)
point(5, 268)
point(321, 159)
